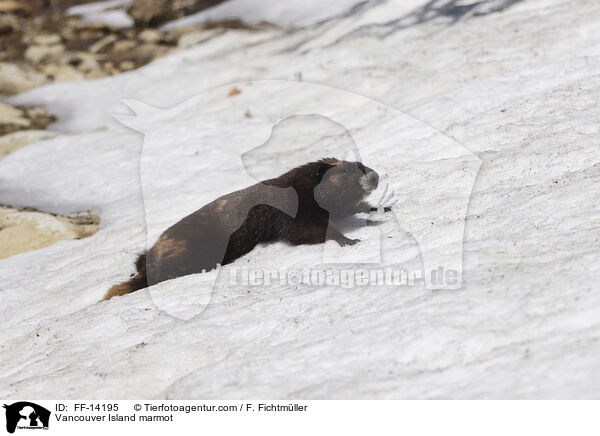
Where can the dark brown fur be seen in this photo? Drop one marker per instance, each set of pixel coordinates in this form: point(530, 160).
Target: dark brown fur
point(298, 207)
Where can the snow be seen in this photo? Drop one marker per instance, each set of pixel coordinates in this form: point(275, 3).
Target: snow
point(110, 12)
point(289, 14)
point(518, 88)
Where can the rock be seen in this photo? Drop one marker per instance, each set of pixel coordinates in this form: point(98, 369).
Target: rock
point(86, 62)
point(96, 74)
point(46, 40)
point(22, 231)
point(15, 7)
point(148, 52)
point(146, 12)
point(234, 91)
point(12, 119)
point(110, 68)
point(38, 117)
point(15, 79)
point(103, 43)
point(126, 65)
point(41, 53)
point(142, 54)
point(14, 141)
point(62, 73)
point(173, 35)
point(8, 24)
point(76, 29)
point(124, 45)
point(155, 12)
point(190, 39)
point(79, 25)
point(82, 61)
point(151, 36)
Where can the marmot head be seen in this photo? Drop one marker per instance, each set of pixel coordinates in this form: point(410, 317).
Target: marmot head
point(343, 184)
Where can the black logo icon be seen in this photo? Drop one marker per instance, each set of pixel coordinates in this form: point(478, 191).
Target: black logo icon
point(26, 415)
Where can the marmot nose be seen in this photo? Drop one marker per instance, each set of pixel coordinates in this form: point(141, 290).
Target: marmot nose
point(373, 179)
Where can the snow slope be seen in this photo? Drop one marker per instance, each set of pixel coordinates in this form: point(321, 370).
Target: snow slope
point(518, 87)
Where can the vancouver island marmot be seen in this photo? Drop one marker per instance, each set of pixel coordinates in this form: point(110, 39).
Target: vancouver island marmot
point(298, 207)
